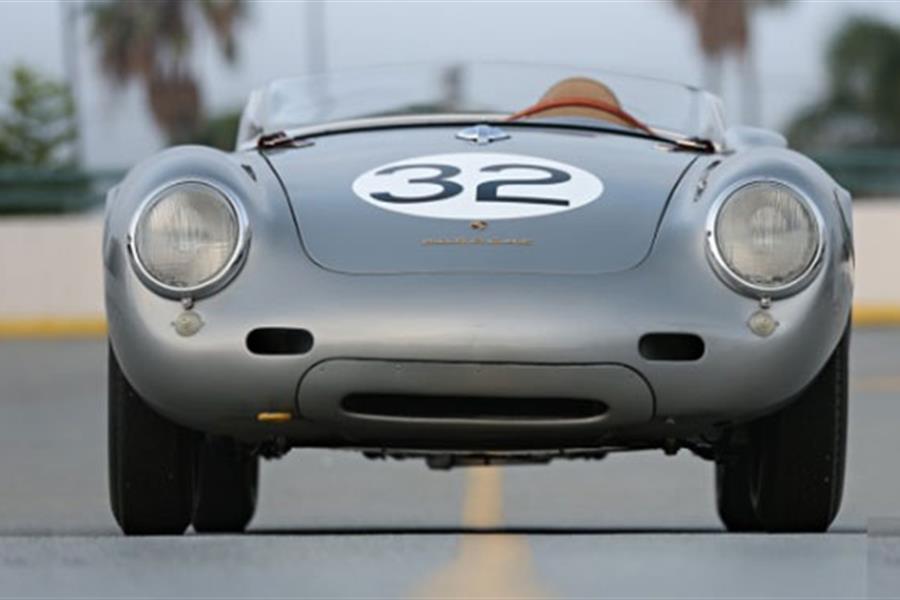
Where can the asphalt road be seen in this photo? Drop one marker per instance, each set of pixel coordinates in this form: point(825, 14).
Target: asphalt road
point(332, 524)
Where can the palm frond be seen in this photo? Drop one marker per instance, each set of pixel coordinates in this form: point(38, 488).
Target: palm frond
point(223, 17)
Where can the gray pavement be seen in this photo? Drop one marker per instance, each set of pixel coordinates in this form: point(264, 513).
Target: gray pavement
point(331, 524)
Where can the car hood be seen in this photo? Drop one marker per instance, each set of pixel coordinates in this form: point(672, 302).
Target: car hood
point(419, 200)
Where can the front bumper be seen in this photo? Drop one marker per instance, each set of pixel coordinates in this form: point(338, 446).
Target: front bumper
point(366, 328)
point(421, 404)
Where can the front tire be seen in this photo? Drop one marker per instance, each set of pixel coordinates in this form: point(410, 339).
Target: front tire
point(792, 472)
point(150, 463)
point(734, 497)
point(801, 454)
point(226, 486)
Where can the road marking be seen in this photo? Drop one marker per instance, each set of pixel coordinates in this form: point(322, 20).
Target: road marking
point(876, 315)
point(487, 565)
point(53, 327)
point(876, 383)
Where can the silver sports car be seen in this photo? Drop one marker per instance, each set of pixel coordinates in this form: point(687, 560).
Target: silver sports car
point(478, 265)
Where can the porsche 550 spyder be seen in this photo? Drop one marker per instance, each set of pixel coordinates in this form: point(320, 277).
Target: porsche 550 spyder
point(478, 265)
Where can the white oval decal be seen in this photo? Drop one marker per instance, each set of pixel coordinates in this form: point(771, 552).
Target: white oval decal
point(478, 185)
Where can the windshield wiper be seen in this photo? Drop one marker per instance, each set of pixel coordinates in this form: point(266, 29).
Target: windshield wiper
point(279, 139)
point(693, 144)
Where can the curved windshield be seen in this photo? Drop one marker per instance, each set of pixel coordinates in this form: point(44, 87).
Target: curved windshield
point(488, 90)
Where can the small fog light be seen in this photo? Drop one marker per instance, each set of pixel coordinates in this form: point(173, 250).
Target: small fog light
point(762, 323)
point(187, 323)
point(274, 417)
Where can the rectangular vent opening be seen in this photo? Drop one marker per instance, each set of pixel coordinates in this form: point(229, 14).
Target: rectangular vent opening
point(472, 407)
point(279, 341)
point(672, 346)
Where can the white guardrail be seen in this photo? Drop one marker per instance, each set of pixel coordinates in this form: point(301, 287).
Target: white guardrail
point(52, 284)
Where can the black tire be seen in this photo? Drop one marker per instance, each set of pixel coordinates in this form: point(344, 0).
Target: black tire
point(734, 500)
point(800, 454)
point(226, 486)
point(150, 463)
point(790, 477)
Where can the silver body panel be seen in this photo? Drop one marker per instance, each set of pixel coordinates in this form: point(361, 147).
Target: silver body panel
point(611, 234)
point(457, 311)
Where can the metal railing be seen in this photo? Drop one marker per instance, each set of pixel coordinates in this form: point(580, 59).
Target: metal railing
point(30, 190)
point(866, 173)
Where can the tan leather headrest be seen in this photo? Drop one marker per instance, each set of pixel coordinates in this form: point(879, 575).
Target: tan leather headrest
point(581, 87)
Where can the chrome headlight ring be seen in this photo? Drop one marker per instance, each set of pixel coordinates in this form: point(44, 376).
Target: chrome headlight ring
point(223, 275)
point(732, 278)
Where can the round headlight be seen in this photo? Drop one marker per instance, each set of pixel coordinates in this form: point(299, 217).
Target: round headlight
point(187, 238)
point(766, 236)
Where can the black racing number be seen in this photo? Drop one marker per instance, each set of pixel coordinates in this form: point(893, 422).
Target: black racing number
point(442, 179)
point(488, 191)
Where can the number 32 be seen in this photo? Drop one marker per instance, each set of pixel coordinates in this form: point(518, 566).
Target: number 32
point(487, 191)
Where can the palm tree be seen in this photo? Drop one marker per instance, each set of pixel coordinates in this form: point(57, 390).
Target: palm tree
point(151, 42)
point(723, 26)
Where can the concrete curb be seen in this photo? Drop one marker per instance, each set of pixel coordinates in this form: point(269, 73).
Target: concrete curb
point(866, 315)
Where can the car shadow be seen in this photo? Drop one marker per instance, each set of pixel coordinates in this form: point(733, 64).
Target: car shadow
point(536, 531)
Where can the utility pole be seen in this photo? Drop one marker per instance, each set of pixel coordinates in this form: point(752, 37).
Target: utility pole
point(316, 55)
point(70, 10)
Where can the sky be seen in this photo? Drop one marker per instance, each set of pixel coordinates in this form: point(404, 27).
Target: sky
point(649, 38)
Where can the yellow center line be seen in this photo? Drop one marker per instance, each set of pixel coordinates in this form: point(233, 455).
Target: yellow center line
point(487, 565)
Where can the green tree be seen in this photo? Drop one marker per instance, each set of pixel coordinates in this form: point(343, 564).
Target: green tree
point(219, 131)
point(862, 104)
point(150, 41)
point(723, 27)
point(37, 120)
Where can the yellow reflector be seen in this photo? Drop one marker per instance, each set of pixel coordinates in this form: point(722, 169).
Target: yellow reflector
point(274, 417)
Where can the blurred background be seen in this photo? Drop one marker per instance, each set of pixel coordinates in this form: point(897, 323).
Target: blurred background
point(89, 88)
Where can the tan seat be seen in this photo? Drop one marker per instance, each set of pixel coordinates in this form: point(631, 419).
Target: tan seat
point(581, 87)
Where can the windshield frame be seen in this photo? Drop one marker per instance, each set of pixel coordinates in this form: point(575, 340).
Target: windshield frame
point(254, 130)
point(297, 135)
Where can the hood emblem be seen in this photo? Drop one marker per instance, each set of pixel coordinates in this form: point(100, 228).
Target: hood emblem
point(482, 135)
point(477, 241)
point(478, 225)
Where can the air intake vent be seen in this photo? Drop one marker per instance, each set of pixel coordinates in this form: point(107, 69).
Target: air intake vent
point(472, 407)
point(279, 341)
point(672, 346)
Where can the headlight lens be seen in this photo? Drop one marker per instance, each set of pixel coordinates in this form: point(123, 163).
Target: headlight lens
point(767, 235)
point(187, 237)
